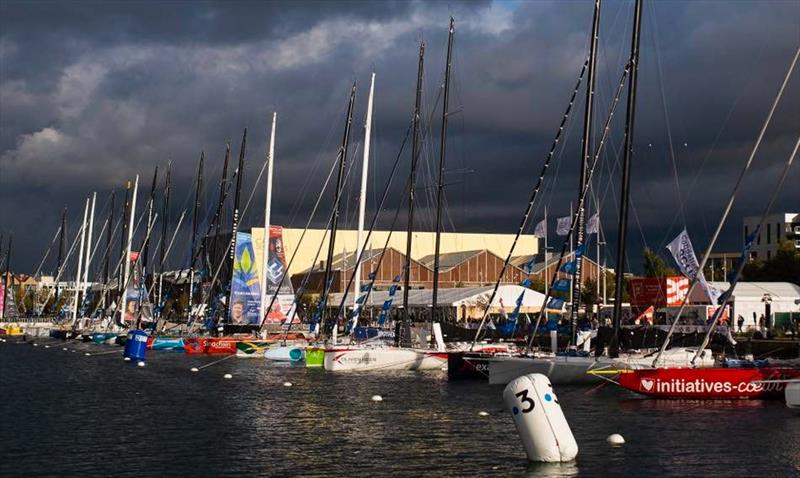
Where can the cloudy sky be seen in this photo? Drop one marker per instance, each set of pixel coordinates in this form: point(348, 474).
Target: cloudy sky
point(92, 93)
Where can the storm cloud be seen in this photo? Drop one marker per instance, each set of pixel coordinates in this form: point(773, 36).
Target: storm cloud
point(92, 93)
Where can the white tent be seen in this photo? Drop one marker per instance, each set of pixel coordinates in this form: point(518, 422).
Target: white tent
point(748, 299)
point(468, 301)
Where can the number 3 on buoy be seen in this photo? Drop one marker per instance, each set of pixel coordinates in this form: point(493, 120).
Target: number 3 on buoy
point(539, 419)
point(526, 400)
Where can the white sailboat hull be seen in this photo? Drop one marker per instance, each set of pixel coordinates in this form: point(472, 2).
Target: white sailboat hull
point(343, 359)
point(560, 370)
point(674, 357)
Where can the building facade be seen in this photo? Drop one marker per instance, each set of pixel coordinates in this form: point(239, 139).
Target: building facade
point(777, 228)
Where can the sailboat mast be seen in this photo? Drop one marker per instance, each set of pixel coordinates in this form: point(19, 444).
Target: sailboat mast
point(122, 245)
point(440, 185)
point(236, 202)
point(267, 218)
point(80, 264)
point(106, 254)
point(412, 186)
point(195, 218)
point(622, 226)
point(336, 197)
point(585, 158)
point(162, 248)
point(127, 270)
point(89, 242)
point(145, 254)
point(362, 198)
point(61, 244)
point(223, 183)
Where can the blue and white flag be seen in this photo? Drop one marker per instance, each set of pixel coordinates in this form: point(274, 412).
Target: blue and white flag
point(528, 266)
point(593, 224)
point(563, 225)
point(570, 267)
point(517, 307)
point(541, 229)
point(580, 250)
point(555, 303)
point(561, 285)
point(387, 304)
point(683, 253)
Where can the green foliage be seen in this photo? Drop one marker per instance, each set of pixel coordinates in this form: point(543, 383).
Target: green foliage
point(589, 295)
point(782, 267)
point(654, 266)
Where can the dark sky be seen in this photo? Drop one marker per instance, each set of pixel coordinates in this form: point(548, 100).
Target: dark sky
point(92, 93)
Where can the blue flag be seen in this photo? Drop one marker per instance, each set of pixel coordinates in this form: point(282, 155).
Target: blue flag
point(580, 250)
point(555, 303)
point(528, 266)
point(570, 267)
point(526, 283)
point(561, 285)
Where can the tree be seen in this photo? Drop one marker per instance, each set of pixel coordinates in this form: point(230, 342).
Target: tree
point(654, 266)
point(784, 266)
point(589, 294)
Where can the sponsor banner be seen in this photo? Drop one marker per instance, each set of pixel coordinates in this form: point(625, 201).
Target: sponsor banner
point(245, 286)
point(277, 265)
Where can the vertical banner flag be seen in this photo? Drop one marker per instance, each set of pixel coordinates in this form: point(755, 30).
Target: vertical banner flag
point(563, 225)
point(245, 286)
point(593, 224)
point(683, 253)
point(540, 229)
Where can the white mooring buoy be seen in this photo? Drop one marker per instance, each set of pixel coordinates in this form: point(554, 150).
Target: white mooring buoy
point(87, 354)
point(35, 345)
point(615, 440)
point(483, 414)
point(227, 376)
point(539, 419)
point(287, 384)
point(64, 349)
point(127, 359)
point(140, 364)
point(194, 369)
point(47, 346)
point(377, 398)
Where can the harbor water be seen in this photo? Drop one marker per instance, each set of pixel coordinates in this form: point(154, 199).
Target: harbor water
point(63, 413)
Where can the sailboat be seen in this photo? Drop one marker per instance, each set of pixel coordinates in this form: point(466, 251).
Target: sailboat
point(730, 380)
point(573, 366)
point(376, 355)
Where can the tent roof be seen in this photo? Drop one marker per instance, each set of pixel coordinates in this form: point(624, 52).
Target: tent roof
point(449, 260)
point(468, 296)
point(756, 290)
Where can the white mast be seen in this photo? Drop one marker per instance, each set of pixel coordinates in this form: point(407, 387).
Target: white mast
point(267, 211)
point(89, 242)
point(362, 201)
point(125, 277)
point(78, 286)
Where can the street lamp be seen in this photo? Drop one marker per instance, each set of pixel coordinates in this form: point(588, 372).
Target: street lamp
point(767, 300)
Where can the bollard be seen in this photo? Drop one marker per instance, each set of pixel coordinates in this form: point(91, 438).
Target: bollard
point(539, 419)
point(136, 345)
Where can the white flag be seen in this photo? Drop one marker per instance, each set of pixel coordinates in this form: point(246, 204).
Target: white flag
point(593, 224)
point(683, 253)
point(541, 229)
point(563, 225)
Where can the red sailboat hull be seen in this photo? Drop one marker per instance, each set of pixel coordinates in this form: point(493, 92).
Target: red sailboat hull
point(714, 383)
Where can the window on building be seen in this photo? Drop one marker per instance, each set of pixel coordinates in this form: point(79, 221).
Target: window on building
point(769, 233)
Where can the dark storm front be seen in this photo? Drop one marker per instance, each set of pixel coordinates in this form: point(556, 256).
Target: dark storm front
point(67, 414)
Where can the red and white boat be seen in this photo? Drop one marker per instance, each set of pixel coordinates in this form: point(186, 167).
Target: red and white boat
point(713, 383)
